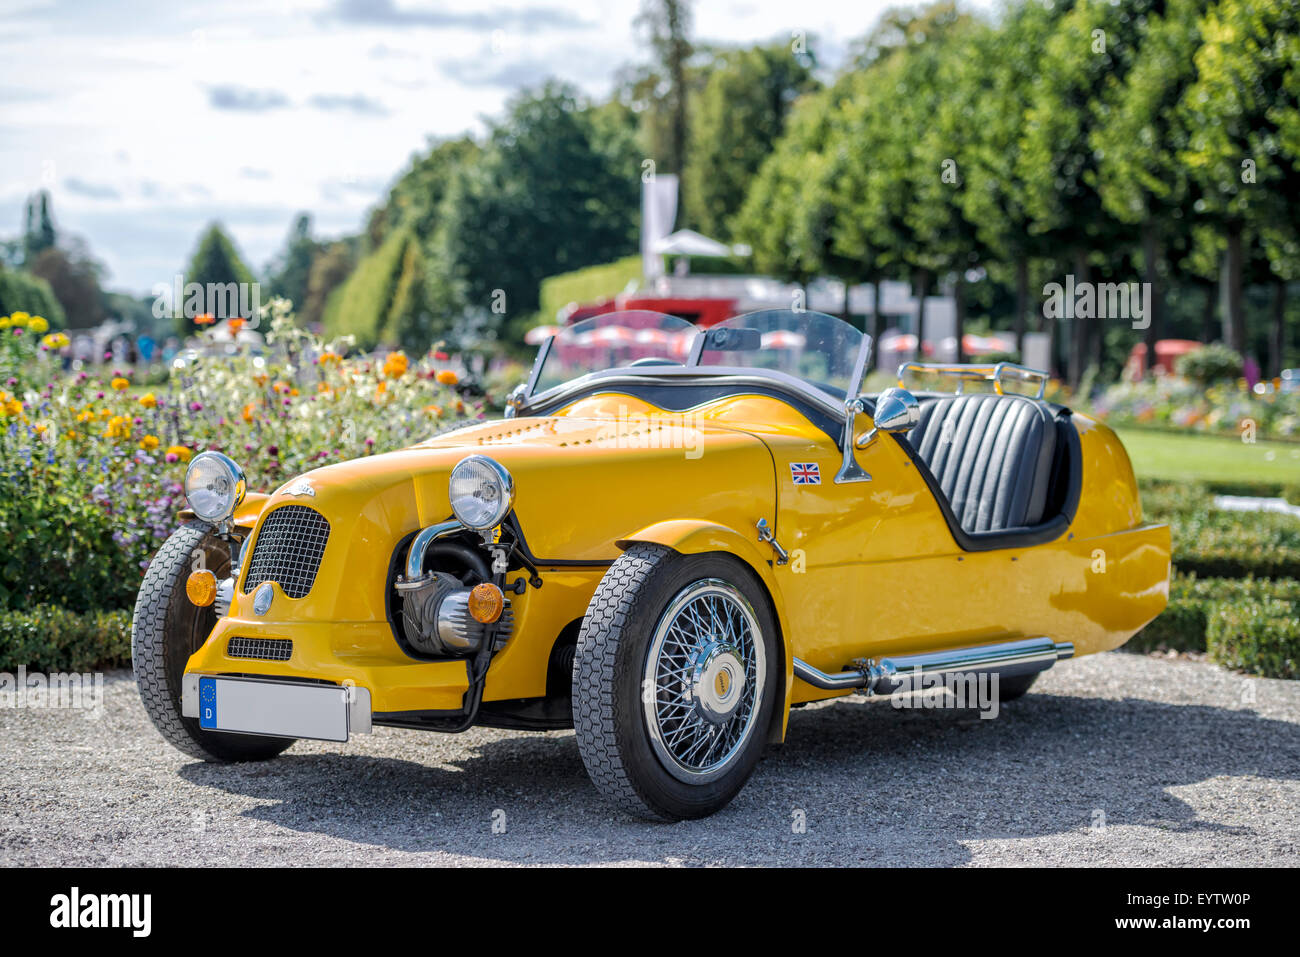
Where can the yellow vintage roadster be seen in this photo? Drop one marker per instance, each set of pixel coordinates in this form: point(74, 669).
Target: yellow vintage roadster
point(673, 537)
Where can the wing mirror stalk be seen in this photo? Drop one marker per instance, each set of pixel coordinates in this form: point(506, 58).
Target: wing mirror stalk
point(896, 411)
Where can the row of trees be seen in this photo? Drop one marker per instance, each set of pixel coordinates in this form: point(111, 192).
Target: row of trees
point(1139, 139)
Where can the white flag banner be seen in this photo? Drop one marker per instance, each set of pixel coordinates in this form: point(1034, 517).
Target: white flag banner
point(658, 215)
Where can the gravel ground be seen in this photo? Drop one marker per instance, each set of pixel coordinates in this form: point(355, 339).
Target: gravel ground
point(1115, 759)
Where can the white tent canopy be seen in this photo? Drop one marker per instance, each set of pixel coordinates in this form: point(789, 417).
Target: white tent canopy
point(687, 242)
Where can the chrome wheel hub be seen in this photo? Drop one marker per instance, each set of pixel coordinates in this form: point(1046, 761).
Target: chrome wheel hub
point(716, 683)
point(703, 680)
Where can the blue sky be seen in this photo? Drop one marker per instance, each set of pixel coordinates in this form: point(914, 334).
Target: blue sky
point(146, 119)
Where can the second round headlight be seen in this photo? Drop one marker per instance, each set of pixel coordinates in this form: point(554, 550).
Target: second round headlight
point(481, 492)
point(214, 486)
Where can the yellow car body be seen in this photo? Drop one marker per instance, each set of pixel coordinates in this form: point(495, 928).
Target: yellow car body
point(588, 487)
point(855, 565)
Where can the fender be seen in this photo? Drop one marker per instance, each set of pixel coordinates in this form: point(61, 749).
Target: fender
point(245, 516)
point(695, 537)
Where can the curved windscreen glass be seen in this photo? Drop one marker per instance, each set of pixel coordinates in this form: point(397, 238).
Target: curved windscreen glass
point(634, 338)
point(812, 346)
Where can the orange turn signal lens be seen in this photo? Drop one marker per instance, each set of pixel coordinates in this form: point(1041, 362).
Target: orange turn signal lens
point(486, 603)
point(201, 587)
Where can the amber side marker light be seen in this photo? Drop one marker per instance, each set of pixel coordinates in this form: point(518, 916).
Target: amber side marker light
point(486, 603)
point(201, 587)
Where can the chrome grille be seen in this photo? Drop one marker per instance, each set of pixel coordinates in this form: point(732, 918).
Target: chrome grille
point(288, 550)
point(264, 649)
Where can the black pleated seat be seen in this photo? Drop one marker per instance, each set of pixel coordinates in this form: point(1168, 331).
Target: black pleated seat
point(991, 455)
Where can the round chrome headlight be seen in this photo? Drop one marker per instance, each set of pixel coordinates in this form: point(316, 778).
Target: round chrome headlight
point(214, 486)
point(481, 492)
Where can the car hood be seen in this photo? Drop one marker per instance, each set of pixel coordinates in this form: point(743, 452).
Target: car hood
point(580, 483)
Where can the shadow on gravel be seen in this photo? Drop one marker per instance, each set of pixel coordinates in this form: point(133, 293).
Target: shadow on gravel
point(875, 785)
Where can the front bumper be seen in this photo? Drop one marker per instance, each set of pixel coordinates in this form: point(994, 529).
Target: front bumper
point(283, 709)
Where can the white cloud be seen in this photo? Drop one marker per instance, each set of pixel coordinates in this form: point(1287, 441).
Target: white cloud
point(147, 118)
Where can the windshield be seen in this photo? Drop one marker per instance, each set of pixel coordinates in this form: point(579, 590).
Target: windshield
point(615, 340)
point(823, 351)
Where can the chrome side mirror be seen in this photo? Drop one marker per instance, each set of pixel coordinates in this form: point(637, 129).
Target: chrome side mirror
point(896, 411)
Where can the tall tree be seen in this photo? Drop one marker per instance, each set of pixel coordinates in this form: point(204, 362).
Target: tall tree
point(1241, 114)
point(290, 272)
point(666, 25)
point(215, 263)
point(39, 233)
point(736, 121)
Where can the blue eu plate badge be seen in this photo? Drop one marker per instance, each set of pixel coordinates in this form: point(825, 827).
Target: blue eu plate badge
point(207, 702)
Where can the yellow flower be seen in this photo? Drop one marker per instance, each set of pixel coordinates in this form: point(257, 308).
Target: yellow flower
point(119, 427)
point(38, 325)
point(85, 416)
point(5, 322)
point(181, 452)
point(18, 319)
point(327, 357)
point(56, 340)
point(120, 383)
point(447, 377)
point(149, 443)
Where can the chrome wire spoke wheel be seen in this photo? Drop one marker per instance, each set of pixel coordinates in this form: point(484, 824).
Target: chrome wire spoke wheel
point(703, 681)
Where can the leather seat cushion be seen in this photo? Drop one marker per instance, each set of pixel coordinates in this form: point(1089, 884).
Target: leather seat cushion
point(991, 455)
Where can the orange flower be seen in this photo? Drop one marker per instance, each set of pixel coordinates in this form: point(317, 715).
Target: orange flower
point(395, 365)
point(434, 410)
point(149, 443)
point(120, 383)
point(205, 319)
point(148, 400)
point(248, 412)
point(234, 325)
point(447, 377)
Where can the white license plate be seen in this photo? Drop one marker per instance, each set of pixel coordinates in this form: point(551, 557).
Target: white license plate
point(285, 709)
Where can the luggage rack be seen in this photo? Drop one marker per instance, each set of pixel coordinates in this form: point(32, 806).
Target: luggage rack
point(997, 374)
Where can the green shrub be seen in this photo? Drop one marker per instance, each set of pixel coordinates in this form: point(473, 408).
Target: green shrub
point(1195, 620)
point(49, 638)
point(1217, 543)
point(1212, 363)
point(1260, 637)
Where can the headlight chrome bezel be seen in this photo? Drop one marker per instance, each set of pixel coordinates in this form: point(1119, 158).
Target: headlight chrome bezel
point(236, 477)
point(506, 492)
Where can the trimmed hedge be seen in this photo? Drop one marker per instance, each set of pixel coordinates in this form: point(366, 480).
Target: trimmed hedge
point(1261, 637)
point(50, 638)
point(1247, 624)
point(1216, 543)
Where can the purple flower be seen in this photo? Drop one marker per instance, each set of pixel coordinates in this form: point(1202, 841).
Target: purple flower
point(196, 406)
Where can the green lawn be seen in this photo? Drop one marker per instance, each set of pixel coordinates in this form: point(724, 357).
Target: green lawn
point(1166, 455)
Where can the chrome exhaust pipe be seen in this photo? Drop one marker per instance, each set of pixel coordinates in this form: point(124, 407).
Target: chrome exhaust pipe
point(1009, 659)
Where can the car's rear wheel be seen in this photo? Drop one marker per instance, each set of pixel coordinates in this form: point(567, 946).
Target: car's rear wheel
point(167, 629)
point(674, 681)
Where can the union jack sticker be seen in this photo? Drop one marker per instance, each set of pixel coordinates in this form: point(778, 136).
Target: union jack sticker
point(805, 473)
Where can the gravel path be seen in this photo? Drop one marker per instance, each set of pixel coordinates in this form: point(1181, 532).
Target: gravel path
point(1113, 759)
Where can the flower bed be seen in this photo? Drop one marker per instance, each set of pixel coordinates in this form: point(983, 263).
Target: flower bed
point(1174, 402)
point(92, 464)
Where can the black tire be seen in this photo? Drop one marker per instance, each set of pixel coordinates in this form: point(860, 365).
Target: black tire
point(1009, 689)
point(610, 718)
point(166, 630)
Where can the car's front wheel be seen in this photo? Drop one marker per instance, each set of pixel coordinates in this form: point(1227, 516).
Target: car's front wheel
point(674, 681)
point(167, 628)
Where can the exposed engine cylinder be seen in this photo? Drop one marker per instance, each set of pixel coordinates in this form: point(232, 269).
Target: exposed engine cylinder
point(436, 618)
